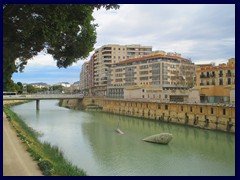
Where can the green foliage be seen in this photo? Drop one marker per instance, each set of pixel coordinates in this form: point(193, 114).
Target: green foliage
point(66, 31)
point(57, 88)
point(34, 154)
point(20, 87)
point(31, 89)
point(46, 167)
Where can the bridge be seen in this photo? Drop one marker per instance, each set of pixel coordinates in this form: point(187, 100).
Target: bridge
point(39, 97)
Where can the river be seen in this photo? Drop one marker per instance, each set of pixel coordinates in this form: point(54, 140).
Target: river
point(89, 140)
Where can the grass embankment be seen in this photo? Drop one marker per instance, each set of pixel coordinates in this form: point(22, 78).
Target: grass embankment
point(49, 158)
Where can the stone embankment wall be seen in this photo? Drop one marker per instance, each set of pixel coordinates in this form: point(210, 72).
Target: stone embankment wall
point(214, 116)
point(82, 103)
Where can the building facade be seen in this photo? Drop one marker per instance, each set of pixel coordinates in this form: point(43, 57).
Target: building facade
point(216, 84)
point(165, 71)
point(104, 57)
point(152, 93)
point(84, 83)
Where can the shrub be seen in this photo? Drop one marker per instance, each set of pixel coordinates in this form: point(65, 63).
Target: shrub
point(46, 167)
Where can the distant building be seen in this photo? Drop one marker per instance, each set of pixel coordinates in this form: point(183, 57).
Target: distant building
point(216, 84)
point(104, 57)
point(75, 88)
point(64, 84)
point(160, 71)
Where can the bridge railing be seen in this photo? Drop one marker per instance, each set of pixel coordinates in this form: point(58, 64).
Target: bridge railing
point(43, 96)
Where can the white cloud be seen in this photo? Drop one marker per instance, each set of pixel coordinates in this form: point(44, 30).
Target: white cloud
point(203, 32)
point(198, 31)
point(42, 60)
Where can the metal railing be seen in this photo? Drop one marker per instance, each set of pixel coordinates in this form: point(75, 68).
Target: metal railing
point(42, 96)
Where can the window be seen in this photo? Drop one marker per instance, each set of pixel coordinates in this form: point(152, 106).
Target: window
point(229, 81)
point(200, 109)
point(213, 74)
point(166, 96)
point(159, 106)
point(220, 73)
point(191, 108)
point(143, 90)
point(143, 78)
point(144, 67)
point(181, 108)
point(166, 107)
point(213, 82)
point(208, 74)
point(220, 81)
point(143, 72)
point(142, 96)
point(211, 110)
point(224, 111)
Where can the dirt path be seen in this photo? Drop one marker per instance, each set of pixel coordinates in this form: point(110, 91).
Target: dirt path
point(16, 160)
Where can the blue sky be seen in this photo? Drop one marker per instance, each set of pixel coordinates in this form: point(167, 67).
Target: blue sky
point(205, 33)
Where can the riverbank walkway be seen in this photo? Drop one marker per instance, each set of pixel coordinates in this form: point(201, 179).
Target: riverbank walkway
point(16, 160)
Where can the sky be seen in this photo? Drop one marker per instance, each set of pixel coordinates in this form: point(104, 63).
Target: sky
point(203, 32)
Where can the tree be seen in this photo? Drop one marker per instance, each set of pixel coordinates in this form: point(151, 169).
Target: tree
point(66, 31)
point(20, 87)
point(31, 89)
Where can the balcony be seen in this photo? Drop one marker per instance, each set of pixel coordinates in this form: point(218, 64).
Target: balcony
point(107, 52)
point(212, 75)
point(107, 48)
point(107, 57)
point(228, 74)
point(220, 74)
point(107, 61)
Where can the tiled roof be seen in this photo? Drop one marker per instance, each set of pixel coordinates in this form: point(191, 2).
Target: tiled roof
point(151, 57)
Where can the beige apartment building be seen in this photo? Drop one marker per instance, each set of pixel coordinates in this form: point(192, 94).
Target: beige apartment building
point(160, 71)
point(216, 84)
point(104, 57)
point(84, 83)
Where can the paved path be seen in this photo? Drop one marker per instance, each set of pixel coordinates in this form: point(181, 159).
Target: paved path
point(16, 160)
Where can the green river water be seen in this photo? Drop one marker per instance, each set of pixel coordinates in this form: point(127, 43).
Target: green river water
point(89, 140)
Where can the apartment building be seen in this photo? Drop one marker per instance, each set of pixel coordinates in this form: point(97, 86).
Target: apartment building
point(104, 57)
point(165, 71)
point(84, 83)
point(216, 84)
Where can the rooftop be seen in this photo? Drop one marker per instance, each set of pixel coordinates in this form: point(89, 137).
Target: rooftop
point(153, 56)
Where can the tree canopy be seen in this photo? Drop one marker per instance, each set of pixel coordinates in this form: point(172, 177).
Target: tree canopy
point(66, 31)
